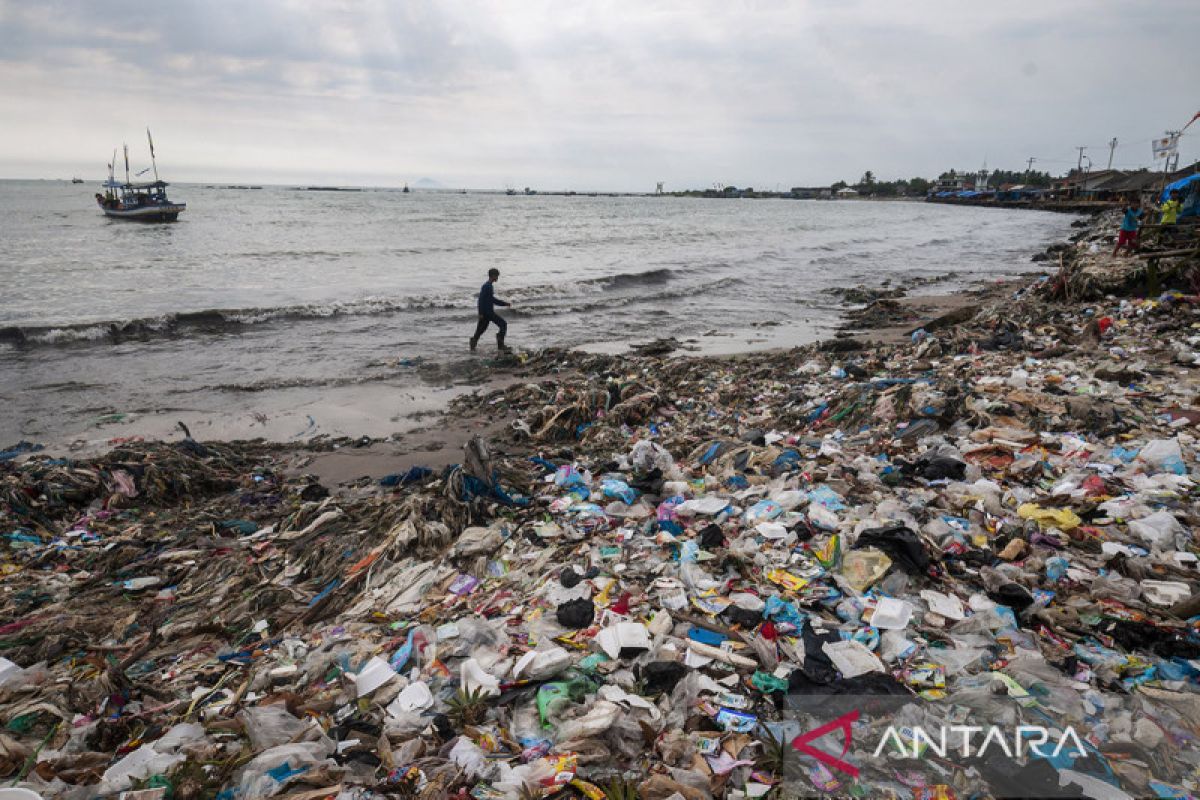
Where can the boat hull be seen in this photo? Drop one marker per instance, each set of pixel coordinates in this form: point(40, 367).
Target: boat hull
point(168, 213)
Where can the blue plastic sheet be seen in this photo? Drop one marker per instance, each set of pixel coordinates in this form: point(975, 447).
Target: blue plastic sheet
point(414, 475)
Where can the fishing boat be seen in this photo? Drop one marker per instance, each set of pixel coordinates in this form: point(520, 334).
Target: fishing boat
point(76, 180)
point(143, 202)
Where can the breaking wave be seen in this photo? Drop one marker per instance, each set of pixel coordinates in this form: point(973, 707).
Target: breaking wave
point(650, 277)
point(210, 321)
point(547, 298)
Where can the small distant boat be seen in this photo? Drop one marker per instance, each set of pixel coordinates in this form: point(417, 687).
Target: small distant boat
point(406, 188)
point(143, 202)
point(76, 180)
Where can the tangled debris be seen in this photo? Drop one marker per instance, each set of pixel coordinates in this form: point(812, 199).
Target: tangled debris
point(652, 586)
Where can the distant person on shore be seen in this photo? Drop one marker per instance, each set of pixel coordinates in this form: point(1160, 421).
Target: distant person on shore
point(1132, 221)
point(487, 312)
point(1171, 208)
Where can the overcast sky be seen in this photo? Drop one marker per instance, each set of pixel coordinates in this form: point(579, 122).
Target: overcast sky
point(605, 95)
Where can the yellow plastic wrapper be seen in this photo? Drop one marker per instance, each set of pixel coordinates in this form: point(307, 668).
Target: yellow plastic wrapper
point(786, 579)
point(1062, 518)
point(589, 790)
point(827, 554)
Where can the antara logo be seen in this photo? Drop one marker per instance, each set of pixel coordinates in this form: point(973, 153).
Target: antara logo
point(913, 742)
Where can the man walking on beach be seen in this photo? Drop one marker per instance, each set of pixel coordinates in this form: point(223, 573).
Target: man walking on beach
point(1128, 236)
point(487, 312)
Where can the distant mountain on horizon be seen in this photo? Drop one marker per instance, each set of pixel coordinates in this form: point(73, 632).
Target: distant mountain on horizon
point(429, 183)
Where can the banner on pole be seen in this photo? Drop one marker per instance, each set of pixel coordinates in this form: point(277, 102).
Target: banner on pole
point(1166, 146)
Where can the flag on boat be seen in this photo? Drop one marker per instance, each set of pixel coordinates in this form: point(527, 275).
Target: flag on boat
point(1190, 121)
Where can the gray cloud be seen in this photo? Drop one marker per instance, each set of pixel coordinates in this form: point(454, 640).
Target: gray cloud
point(591, 94)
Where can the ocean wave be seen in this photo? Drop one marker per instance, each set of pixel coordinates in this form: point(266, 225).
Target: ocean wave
point(602, 303)
point(213, 320)
point(627, 280)
point(546, 298)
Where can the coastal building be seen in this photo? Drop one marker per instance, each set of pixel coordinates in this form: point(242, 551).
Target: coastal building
point(1142, 185)
point(953, 182)
point(1113, 185)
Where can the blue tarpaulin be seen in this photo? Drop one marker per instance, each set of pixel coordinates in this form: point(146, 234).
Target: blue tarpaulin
point(1189, 188)
point(1180, 184)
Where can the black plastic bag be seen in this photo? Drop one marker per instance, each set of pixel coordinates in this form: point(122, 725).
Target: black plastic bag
point(900, 543)
point(576, 614)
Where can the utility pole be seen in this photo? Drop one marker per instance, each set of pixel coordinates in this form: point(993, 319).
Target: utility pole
point(1079, 170)
point(1029, 167)
point(1112, 148)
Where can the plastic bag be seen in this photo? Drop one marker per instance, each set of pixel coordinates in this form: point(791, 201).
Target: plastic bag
point(763, 511)
point(598, 719)
point(1164, 455)
point(646, 456)
point(827, 498)
point(138, 765)
point(542, 664)
point(268, 773)
point(1062, 518)
point(477, 541)
point(467, 755)
point(619, 490)
point(271, 725)
point(1158, 529)
point(862, 568)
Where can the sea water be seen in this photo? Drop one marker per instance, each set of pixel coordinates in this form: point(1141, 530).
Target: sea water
point(282, 295)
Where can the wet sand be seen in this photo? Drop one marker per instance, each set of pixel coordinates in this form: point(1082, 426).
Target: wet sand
point(440, 441)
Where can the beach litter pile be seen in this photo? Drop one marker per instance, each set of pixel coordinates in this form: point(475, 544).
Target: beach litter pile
point(786, 574)
point(1167, 255)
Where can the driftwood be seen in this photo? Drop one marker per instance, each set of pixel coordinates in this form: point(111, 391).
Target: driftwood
point(1189, 251)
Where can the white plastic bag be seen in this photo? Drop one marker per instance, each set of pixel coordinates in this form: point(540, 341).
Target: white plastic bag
point(138, 765)
point(1159, 529)
point(542, 664)
point(271, 725)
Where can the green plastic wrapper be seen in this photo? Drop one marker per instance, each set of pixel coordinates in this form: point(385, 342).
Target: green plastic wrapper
point(766, 682)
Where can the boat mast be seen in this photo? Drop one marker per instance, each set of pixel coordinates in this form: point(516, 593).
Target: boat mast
point(126, 163)
point(152, 161)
